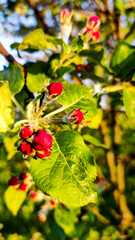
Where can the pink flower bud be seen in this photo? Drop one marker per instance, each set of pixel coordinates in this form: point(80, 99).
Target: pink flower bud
point(42, 140)
point(65, 16)
point(94, 23)
point(95, 36)
point(43, 154)
point(24, 187)
point(79, 67)
point(55, 88)
point(77, 114)
point(26, 148)
point(14, 181)
point(26, 132)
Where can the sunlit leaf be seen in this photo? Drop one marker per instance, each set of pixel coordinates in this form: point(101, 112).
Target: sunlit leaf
point(70, 171)
point(6, 108)
point(13, 199)
point(78, 96)
point(37, 40)
point(129, 101)
point(123, 59)
point(94, 141)
point(14, 75)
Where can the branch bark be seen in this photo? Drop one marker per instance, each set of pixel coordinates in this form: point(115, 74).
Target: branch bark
point(39, 16)
point(10, 58)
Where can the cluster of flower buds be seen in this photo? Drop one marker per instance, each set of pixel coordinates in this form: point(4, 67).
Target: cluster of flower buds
point(76, 116)
point(23, 182)
point(39, 196)
point(35, 143)
point(92, 27)
point(49, 205)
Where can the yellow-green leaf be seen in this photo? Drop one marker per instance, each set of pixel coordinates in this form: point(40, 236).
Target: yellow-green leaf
point(13, 199)
point(6, 107)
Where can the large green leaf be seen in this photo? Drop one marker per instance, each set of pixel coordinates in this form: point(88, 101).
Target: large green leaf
point(36, 77)
point(37, 40)
point(129, 101)
point(123, 59)
point(69, 174)
point(78, 96)
point(6, 108)
point(14, 75)
point(14, 199)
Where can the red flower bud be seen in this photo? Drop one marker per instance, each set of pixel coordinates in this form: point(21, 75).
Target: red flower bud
point(95, 36)
point(26, 148)
point(43, 154)
point(79, 67)
point(14, 181)
point(94, 23)
point(53, 202)
point(26, 132)
point(65, 16)
point(79, 115)
point(55, 88)
point(42, 140)
point(33, 195)
point(24, 176)
point(24, 187)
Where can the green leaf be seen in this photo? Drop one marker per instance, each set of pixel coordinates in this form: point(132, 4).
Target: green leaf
point(54, 40)
point(9, 143)
point(77, 44)
point(15, 45)
point(77, 96)
point(94, 141)
point(123, 59)
point(94, 54)
point(96, 120)
point(6, 108)
point(36, 77)
point(37, 40)
point(69, 174)
point(13, 199)
point(129, 101)
point(62, 70)
point(14, 75)
point(66, 219)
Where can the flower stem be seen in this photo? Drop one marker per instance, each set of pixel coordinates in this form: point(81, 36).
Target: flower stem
point(54, 112)
point(19, 106)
